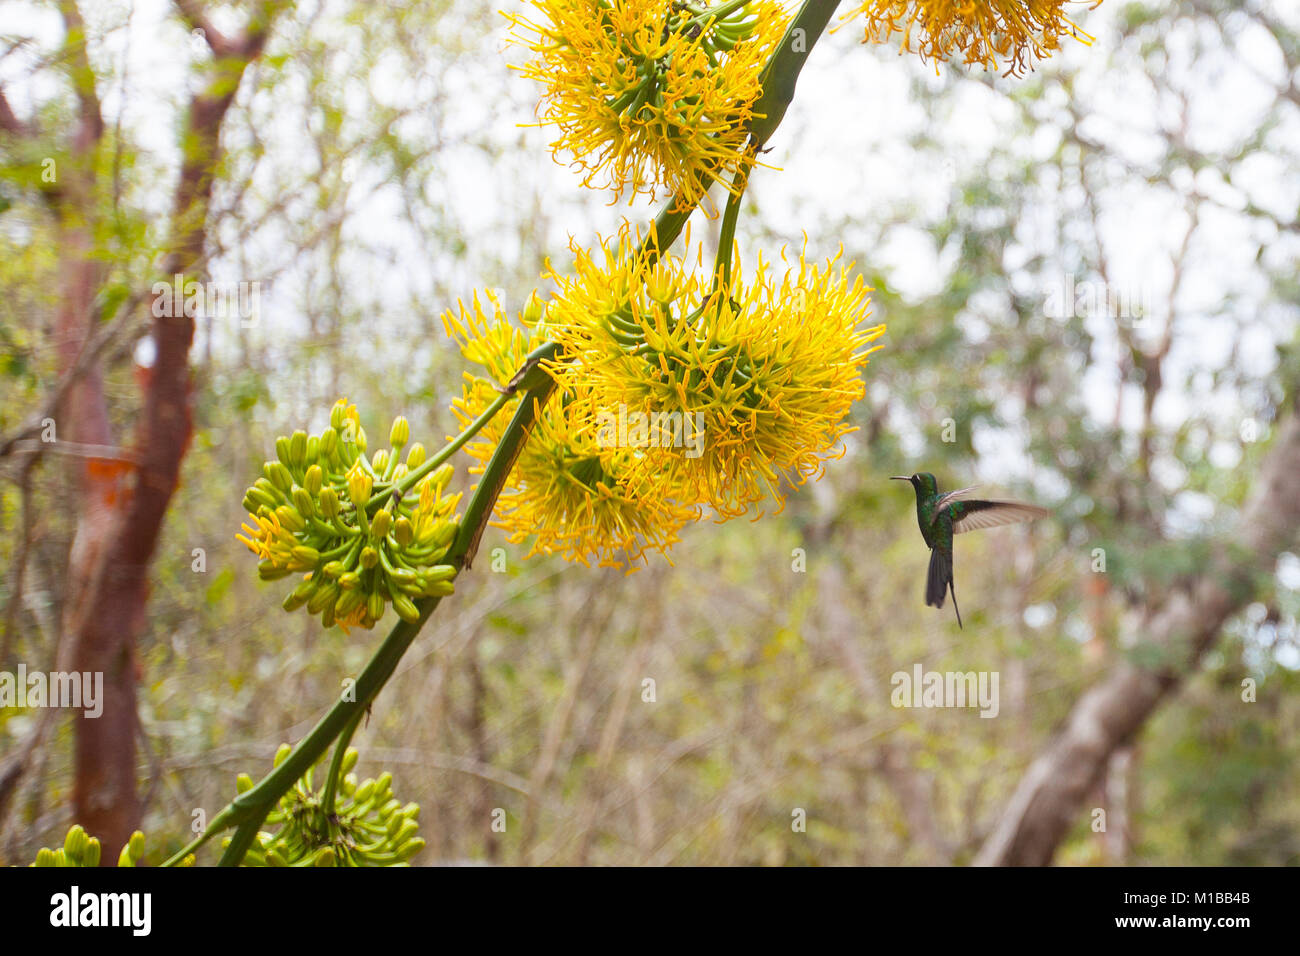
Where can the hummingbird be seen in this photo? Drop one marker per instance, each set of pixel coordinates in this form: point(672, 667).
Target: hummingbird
point(942, 515)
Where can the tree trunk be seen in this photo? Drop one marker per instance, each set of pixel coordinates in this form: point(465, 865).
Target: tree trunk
point(1109, 715)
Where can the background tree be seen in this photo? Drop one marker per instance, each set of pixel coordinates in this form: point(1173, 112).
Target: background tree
point(643, 719)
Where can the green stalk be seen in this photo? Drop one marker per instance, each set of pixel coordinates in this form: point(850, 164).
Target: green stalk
point(336, 765)
point(727, 236)
point(428, 467)
point(783, 69)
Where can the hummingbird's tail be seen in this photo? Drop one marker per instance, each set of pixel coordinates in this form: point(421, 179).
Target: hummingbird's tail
point(939, 582)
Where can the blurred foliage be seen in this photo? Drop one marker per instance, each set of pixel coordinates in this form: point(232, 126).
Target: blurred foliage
point(527, 699)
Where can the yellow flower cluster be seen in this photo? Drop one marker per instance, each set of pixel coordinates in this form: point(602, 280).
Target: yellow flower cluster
point(650, 94)
point(673, 395)
point(562, 492)
point(368, 530)
point(986, 32)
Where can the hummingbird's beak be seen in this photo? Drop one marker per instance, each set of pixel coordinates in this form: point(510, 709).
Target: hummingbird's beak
point(900, 478)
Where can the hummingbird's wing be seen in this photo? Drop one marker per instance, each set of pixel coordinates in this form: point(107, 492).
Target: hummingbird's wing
point(949, 497)
point(971, 515)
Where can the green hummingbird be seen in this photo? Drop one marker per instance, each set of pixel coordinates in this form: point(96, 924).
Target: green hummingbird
point(942, 515)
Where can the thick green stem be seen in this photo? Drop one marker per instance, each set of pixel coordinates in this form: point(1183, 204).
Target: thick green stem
point(783, 69)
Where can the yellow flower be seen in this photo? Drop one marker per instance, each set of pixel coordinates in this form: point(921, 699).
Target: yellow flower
point(987, 32)
point(269, 540)
point(722, 398)
point(563, 492)
point(650, 94)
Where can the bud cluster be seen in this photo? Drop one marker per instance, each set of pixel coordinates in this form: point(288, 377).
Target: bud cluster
point(367, 827)
point(81, 849)
point(367, 530)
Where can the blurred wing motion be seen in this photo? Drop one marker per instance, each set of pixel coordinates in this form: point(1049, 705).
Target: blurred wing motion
point(949, 497)
point(973, 515)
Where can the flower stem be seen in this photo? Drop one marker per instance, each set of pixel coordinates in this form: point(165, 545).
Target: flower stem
point(727, 236)
point(336, 764)
point(412, 479)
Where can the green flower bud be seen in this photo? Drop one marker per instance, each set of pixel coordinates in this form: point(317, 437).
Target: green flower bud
point(533, 310)
point(360, 485)
point(329, 503)
point(405, 830)
point(282, 449)
point(313, 449)
point(136, 845)
point(405, 608)
point(283, 751)
point(293, 600)
point(297, 449)
point(324, 597)
point(441, 475)
point(349, 581)
point(270, 571)
point(349, 760)
point(379, 461)
point(400, 433)
point(265, 493)
point(74, 844)
point(313, 480)
point(415, 456)
point(375, 605)
point(369, 557)
point(302, 500)
point(334, 569)
point(91, 855)
point(349, 600)
point(243, 783)
point(402, 576)
point(359, 439)
point(306, 554)
point(279, 475)
point(410, 849)
point(290, 518)
point(403, 531)
point(445, 533)
point(338, 414)
point(380, 523)
point(329, 443)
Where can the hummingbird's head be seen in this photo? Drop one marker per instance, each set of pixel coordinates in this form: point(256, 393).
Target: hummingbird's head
point(922, 481)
